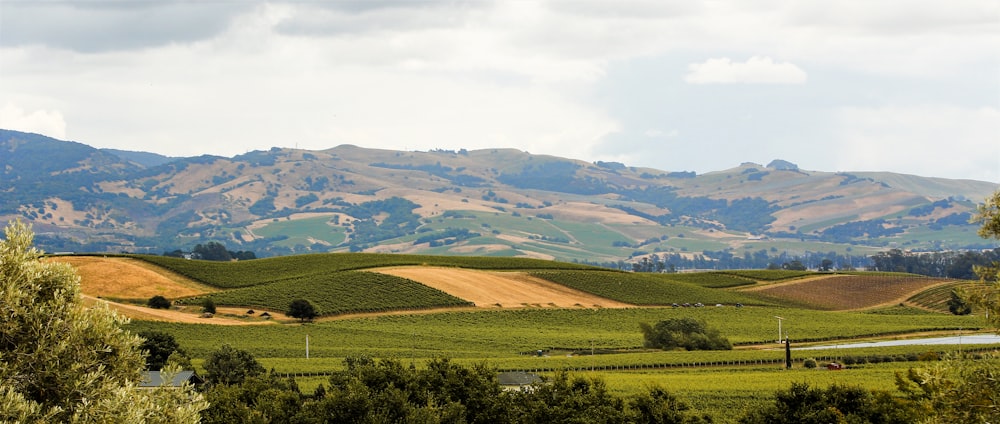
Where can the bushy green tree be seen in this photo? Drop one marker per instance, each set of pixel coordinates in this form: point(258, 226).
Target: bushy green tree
point(208, 305)
point(212, 251)
point(302, 309)
point(231, 366)
point(683, 333)
point(61, 361)
point(159, 347)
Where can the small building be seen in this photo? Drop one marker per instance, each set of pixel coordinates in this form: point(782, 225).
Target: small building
point(518, 380)
point(153, 379)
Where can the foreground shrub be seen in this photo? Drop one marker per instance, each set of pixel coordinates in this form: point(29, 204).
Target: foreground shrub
point(836, 404)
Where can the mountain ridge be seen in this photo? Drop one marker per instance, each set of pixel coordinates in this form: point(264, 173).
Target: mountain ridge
point(486, 201)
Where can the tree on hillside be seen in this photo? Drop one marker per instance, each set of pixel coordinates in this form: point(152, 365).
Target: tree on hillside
point(302, 309)
point(212, 251)
point(62, 361)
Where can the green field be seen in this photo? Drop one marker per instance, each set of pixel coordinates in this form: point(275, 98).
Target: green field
point(305, 231)
point(594, 342)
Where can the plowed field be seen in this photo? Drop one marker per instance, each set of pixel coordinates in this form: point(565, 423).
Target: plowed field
point(848, 292)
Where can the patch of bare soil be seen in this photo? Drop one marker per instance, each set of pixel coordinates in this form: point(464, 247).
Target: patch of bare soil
point(188, 315)
point(849, 292)
point(489, 289)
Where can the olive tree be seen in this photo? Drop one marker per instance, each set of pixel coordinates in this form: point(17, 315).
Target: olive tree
point(62, 361)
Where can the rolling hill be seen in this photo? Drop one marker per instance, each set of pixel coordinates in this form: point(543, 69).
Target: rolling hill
point(493, 202)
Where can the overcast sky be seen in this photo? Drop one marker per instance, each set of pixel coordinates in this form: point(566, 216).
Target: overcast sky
point(908, 86)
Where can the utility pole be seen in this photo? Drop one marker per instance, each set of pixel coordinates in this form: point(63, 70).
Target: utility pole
point(307, 346)
point(779, 327)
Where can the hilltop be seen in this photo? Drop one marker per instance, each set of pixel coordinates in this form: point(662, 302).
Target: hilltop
point(492, 202)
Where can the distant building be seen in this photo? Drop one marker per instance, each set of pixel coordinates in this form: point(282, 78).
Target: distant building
point(518, 380)
point(152, 379)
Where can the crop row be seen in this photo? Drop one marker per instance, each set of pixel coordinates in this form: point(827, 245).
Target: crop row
point(768, 274)
point(260, 271)
point(642, 288)
point(337, 293)
point(937, 297)
point(840, 292)
point(715, 280)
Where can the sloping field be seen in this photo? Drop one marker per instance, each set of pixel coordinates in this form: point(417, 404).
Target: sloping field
point(126, 278)
point(506, 289)
point(846, 292)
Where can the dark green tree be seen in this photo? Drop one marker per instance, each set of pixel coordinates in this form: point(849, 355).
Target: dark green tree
point(795, 265)
point(302, 309)
point(158, 347)
point(208, 305)
point(158, 302)
point(686, 333)
point(231, 366)
point(212, 251)
point(826, 265)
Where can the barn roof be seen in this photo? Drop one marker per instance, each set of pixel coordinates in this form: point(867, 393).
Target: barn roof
point(153, 379)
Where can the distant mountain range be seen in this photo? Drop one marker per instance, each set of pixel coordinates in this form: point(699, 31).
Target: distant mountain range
point(500, 202)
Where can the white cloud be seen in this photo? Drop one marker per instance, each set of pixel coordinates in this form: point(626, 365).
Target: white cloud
point(50, 123)
point(756, 70)
point(564, 77)
point(929, 140)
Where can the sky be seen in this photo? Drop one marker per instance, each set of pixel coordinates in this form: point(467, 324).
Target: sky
point(907, 86)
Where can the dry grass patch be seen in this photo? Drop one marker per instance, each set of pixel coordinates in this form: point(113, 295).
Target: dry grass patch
point(504, 289)
point(127, 278)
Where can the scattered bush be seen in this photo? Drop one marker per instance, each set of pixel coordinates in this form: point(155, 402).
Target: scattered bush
point(809, 363)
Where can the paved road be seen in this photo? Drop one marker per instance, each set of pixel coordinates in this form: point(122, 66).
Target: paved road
point(951, 340)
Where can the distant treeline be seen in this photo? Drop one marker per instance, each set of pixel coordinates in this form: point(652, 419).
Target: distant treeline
point(951, 264)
